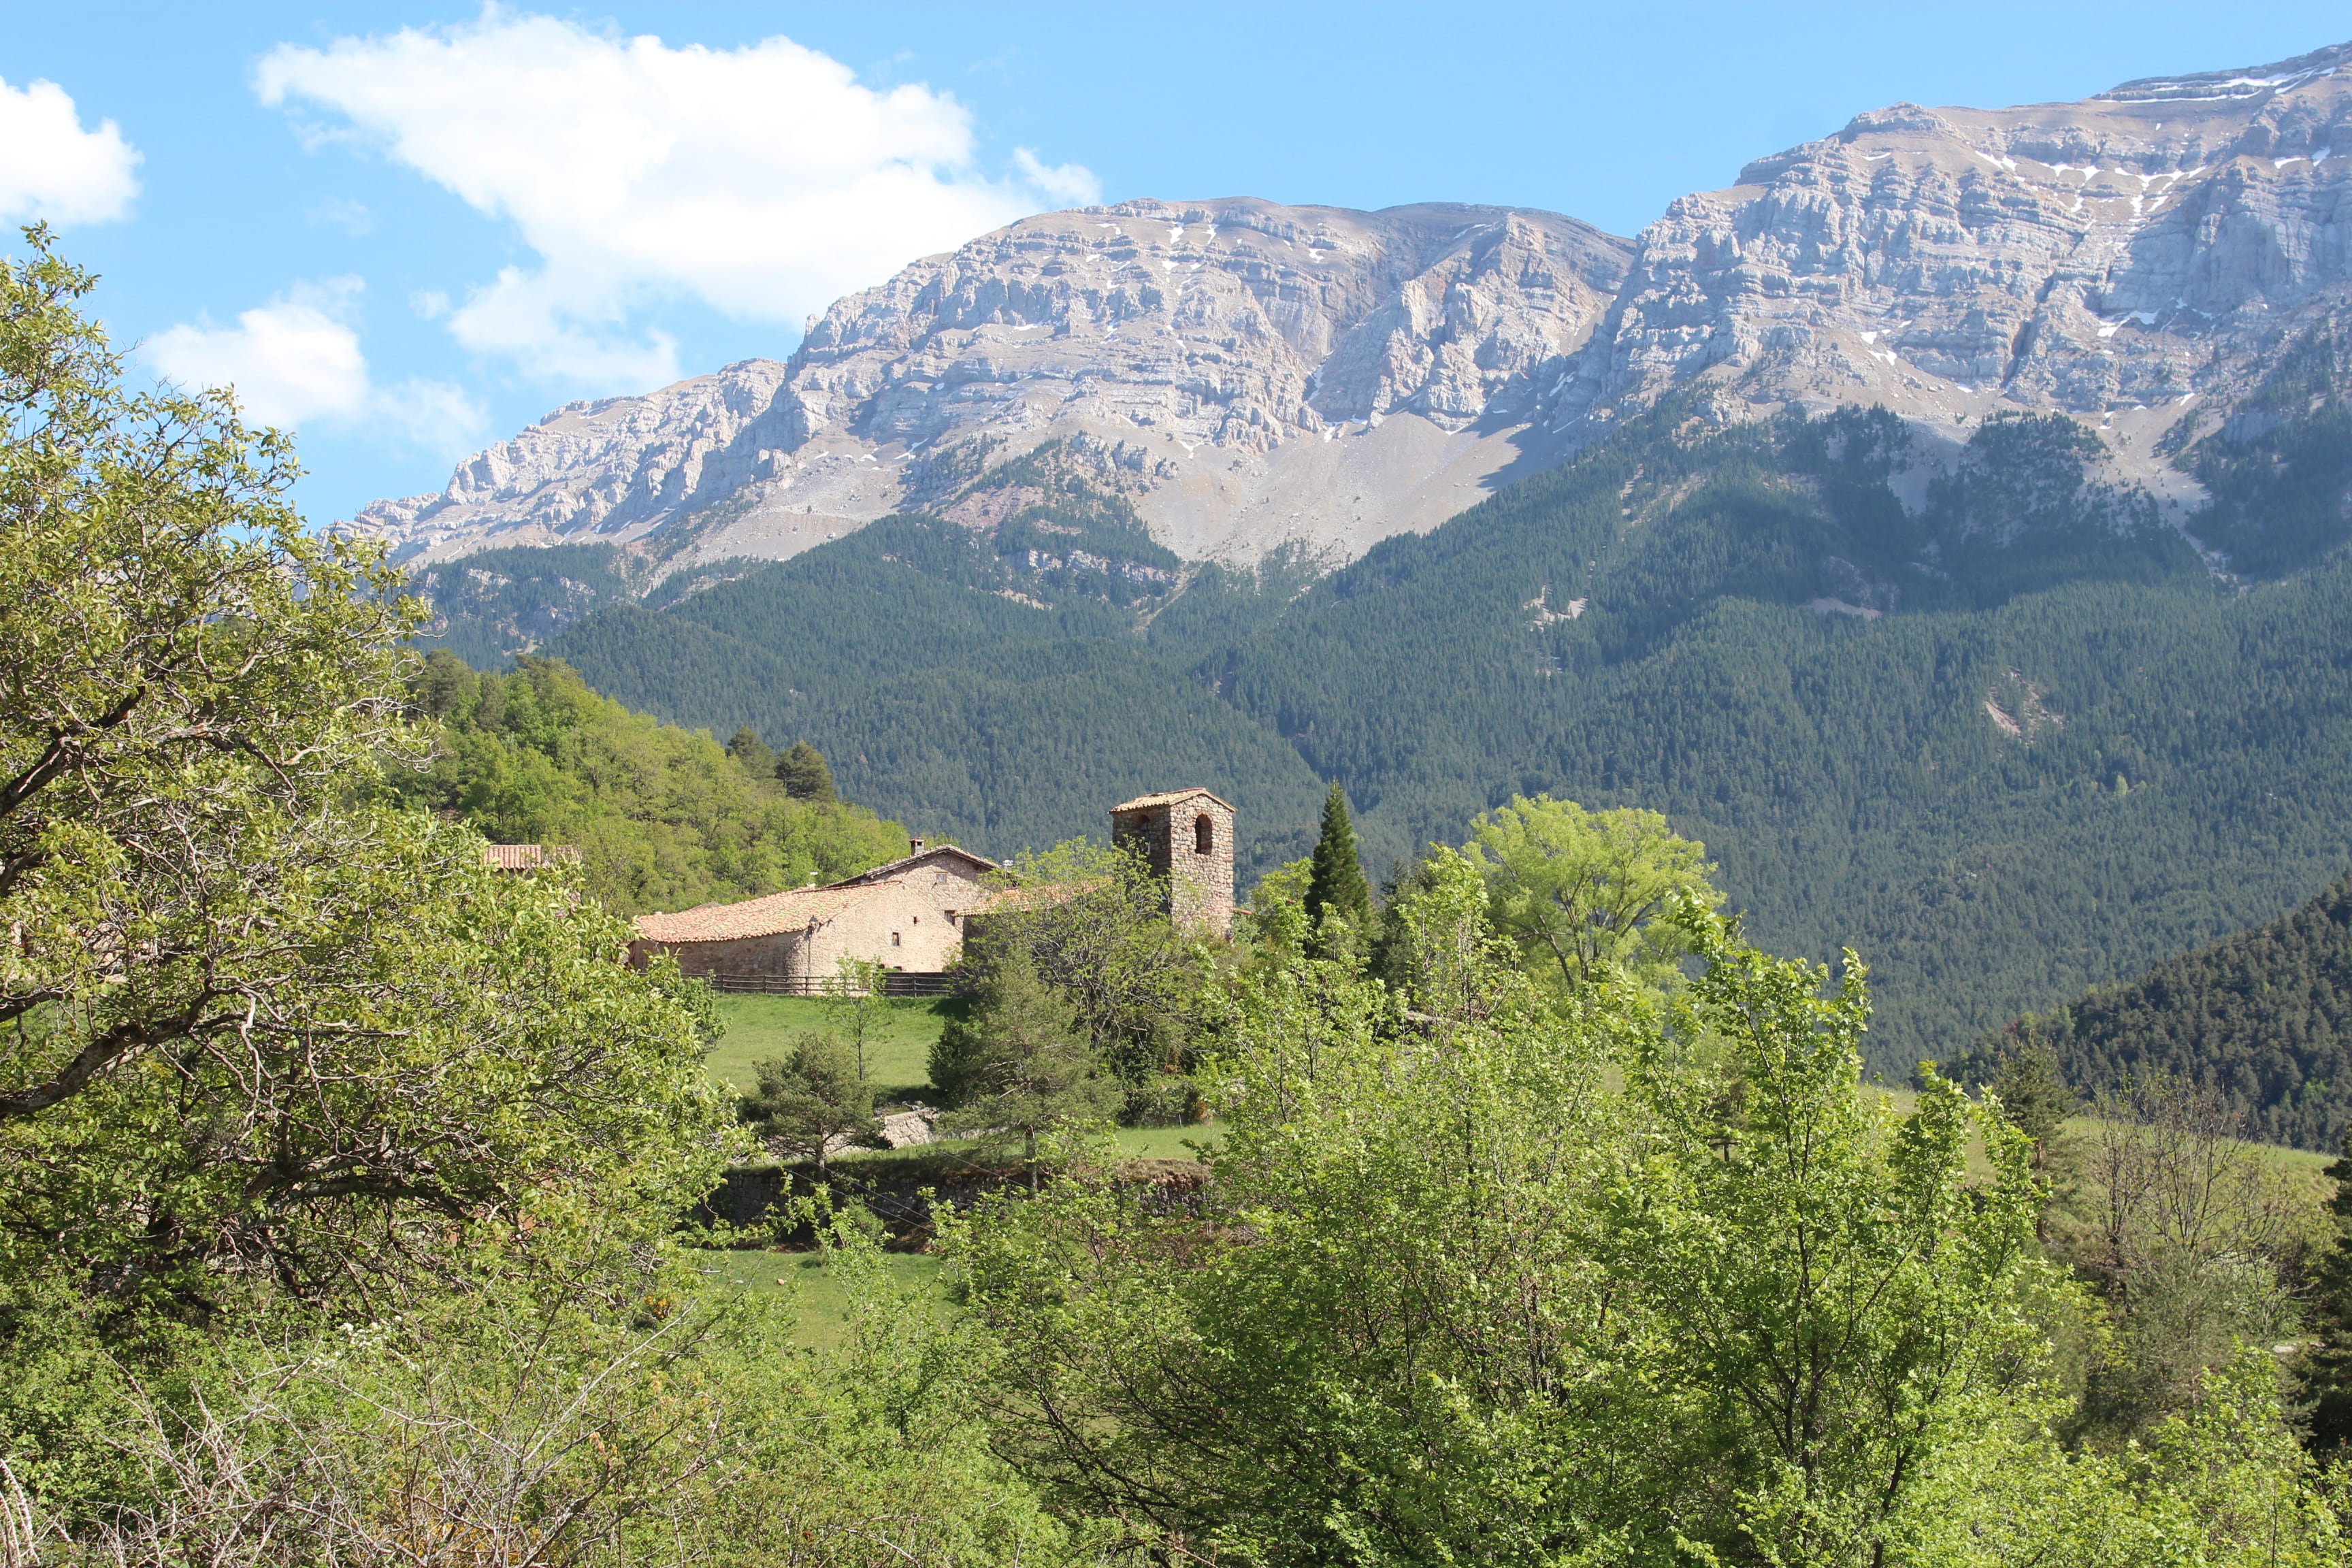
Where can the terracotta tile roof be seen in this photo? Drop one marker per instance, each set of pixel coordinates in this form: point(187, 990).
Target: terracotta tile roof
point(527, 857)
point(793, 910)
point(1170, 797)
point(936, 852)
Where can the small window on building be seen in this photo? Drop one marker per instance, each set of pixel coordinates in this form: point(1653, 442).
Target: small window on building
point(894, 939)
point(1204, 835)
point(951, 917)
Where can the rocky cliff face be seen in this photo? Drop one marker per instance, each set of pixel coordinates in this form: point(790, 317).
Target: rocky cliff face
point(2118, 258)
point(1251, 374)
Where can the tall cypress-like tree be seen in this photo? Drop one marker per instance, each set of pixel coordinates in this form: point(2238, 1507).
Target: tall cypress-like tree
point(1337, 881)
point(2327, 1371)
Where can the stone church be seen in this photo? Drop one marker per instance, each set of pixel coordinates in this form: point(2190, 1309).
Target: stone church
point(1187, 834)
point(910, 915)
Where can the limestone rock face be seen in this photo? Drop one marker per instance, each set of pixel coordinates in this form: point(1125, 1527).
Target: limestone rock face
point(2116, 257)
point(1253, 374)
point(612, 468)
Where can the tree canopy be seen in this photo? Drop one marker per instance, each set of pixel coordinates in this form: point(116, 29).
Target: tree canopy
point(665, 819)
point(1584, 893)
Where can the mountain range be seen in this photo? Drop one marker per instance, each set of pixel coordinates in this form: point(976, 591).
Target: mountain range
point(1255, 374)
point(1943, 522)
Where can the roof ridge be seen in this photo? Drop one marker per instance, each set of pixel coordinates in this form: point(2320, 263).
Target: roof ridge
point(1169, 797)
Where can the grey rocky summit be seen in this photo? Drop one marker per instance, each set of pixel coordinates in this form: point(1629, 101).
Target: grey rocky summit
point(1251, 376)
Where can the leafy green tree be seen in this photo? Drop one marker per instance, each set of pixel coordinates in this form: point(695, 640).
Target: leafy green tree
point(260, 1032)
point(1834, 1295)
point(2189, 1235)
point(1335, 883)
point(1019, 1065)
point(807, 1103)
point(1088, 920)
point(1286, 886)
point(856, 1003)
point(2329, 1361)
point(1586, 893)
point(805, 774)
point(195, 686)
point(1490, 1282)
point(274, 1052)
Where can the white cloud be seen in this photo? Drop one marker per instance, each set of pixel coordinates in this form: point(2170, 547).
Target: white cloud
point(1072, 184)
point(297, 359)
point(289, 359)
point(53, 170)
point(764, 180)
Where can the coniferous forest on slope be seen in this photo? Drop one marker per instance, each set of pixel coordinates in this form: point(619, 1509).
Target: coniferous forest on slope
point(2263, 1017)
point(2009, 743)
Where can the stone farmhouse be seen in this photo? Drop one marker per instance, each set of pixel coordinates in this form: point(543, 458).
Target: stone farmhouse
point(911, 915)
point(908, 915)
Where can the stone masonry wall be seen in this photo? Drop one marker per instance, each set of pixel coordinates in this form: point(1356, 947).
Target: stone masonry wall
point(781, 956)
point(1199, 885)
point(923, 908)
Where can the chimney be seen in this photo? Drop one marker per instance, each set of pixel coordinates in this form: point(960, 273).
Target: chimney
point(919, 846)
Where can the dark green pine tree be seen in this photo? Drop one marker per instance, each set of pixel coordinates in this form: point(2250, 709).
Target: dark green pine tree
point(2327, 1372)
point(2033, 1095)
point(804, 773)
point(752, 753)
point(1337, 881)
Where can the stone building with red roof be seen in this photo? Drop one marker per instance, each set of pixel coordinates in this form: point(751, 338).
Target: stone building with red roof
point(907, 915)
point(912, 914)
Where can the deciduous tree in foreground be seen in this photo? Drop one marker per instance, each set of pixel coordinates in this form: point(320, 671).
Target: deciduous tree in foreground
point(1481, 1285)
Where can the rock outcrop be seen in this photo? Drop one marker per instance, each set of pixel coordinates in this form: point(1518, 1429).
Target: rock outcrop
point(2117, 259)
point(1250, 372)
point(1252, 376)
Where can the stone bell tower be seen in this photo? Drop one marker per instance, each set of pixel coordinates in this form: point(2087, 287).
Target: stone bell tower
point(1187, 836)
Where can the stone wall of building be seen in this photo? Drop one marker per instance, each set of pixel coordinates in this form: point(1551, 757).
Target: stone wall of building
point(913, 922)
point(1188, 838)
point(781, 956)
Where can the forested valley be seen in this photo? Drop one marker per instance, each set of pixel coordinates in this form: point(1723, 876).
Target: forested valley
point(2013, 739)
point(2262, 1018)
point(355, 1197)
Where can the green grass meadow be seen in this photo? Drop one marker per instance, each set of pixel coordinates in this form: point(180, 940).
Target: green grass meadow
point(899, 1047)
point(818, 1292)
point(898, 1043)
point(899, 1038)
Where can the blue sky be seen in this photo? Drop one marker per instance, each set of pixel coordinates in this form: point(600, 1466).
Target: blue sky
point(410, 229)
